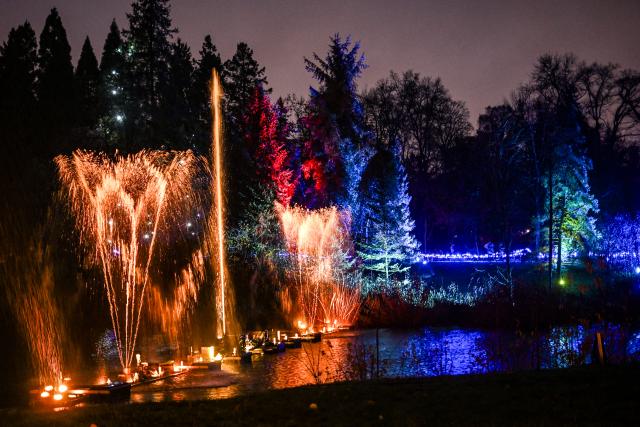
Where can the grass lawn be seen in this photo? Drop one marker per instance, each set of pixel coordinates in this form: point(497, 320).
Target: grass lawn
point(581, 396)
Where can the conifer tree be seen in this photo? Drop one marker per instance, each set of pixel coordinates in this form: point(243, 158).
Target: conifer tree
point(387, 245)
point(148, 50)
point(55, 87)
point(113, 94)
point(18, 62)
point(242, 74)
point(178, 122)
point(87, 78)
point(265, 138)
point(338, 149)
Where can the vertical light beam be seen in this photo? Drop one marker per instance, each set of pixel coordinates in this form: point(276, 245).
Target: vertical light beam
point(216, 95)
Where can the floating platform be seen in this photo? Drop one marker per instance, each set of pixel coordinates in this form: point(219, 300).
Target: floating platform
point(214, 365)
point(83, 393)
point(314, 337)
point(119, 391)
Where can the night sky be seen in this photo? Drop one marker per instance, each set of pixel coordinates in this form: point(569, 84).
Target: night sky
point(481, 49)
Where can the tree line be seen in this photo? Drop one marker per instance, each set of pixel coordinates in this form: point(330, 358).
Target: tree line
point(540, 170)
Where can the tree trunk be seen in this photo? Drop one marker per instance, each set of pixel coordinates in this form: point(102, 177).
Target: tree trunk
point(508, 259)
point(563, 210)
point(424, 236)
point(537, 229)
point(550, 178)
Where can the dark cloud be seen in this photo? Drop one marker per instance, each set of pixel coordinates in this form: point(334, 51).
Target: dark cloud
point(481, 49)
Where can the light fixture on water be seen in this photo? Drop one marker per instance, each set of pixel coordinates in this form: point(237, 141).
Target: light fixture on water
point(637, 270)
point(62, 388)
point(44, 394)
point(57, 396)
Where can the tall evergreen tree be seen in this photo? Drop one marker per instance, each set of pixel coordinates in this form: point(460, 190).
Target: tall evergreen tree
point(265, 139)
point(387, 246)
point(18, 62)
point(87, 79)
point(178, 119)
point(112, 91)
point(337, 74)
point(338, 149)
point(55, 80)
point(148, 44)
point(242, 74)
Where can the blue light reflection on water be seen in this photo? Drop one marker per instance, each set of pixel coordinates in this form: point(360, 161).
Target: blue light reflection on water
point(413, 353)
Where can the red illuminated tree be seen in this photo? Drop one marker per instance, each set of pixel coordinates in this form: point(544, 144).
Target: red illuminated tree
point(265, 140)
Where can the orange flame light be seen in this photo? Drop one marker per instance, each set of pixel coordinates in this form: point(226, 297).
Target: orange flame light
point(326, 286)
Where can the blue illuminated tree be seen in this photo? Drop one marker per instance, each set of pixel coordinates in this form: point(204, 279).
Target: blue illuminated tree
point(385, 240)
point(571, 204)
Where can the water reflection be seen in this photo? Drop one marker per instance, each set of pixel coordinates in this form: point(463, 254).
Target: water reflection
point(426, 352)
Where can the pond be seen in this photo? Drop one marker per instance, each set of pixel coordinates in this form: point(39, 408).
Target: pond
point(402, 353)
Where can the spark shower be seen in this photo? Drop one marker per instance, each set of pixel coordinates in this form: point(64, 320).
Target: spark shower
point(125, 207)
point(121, 206)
